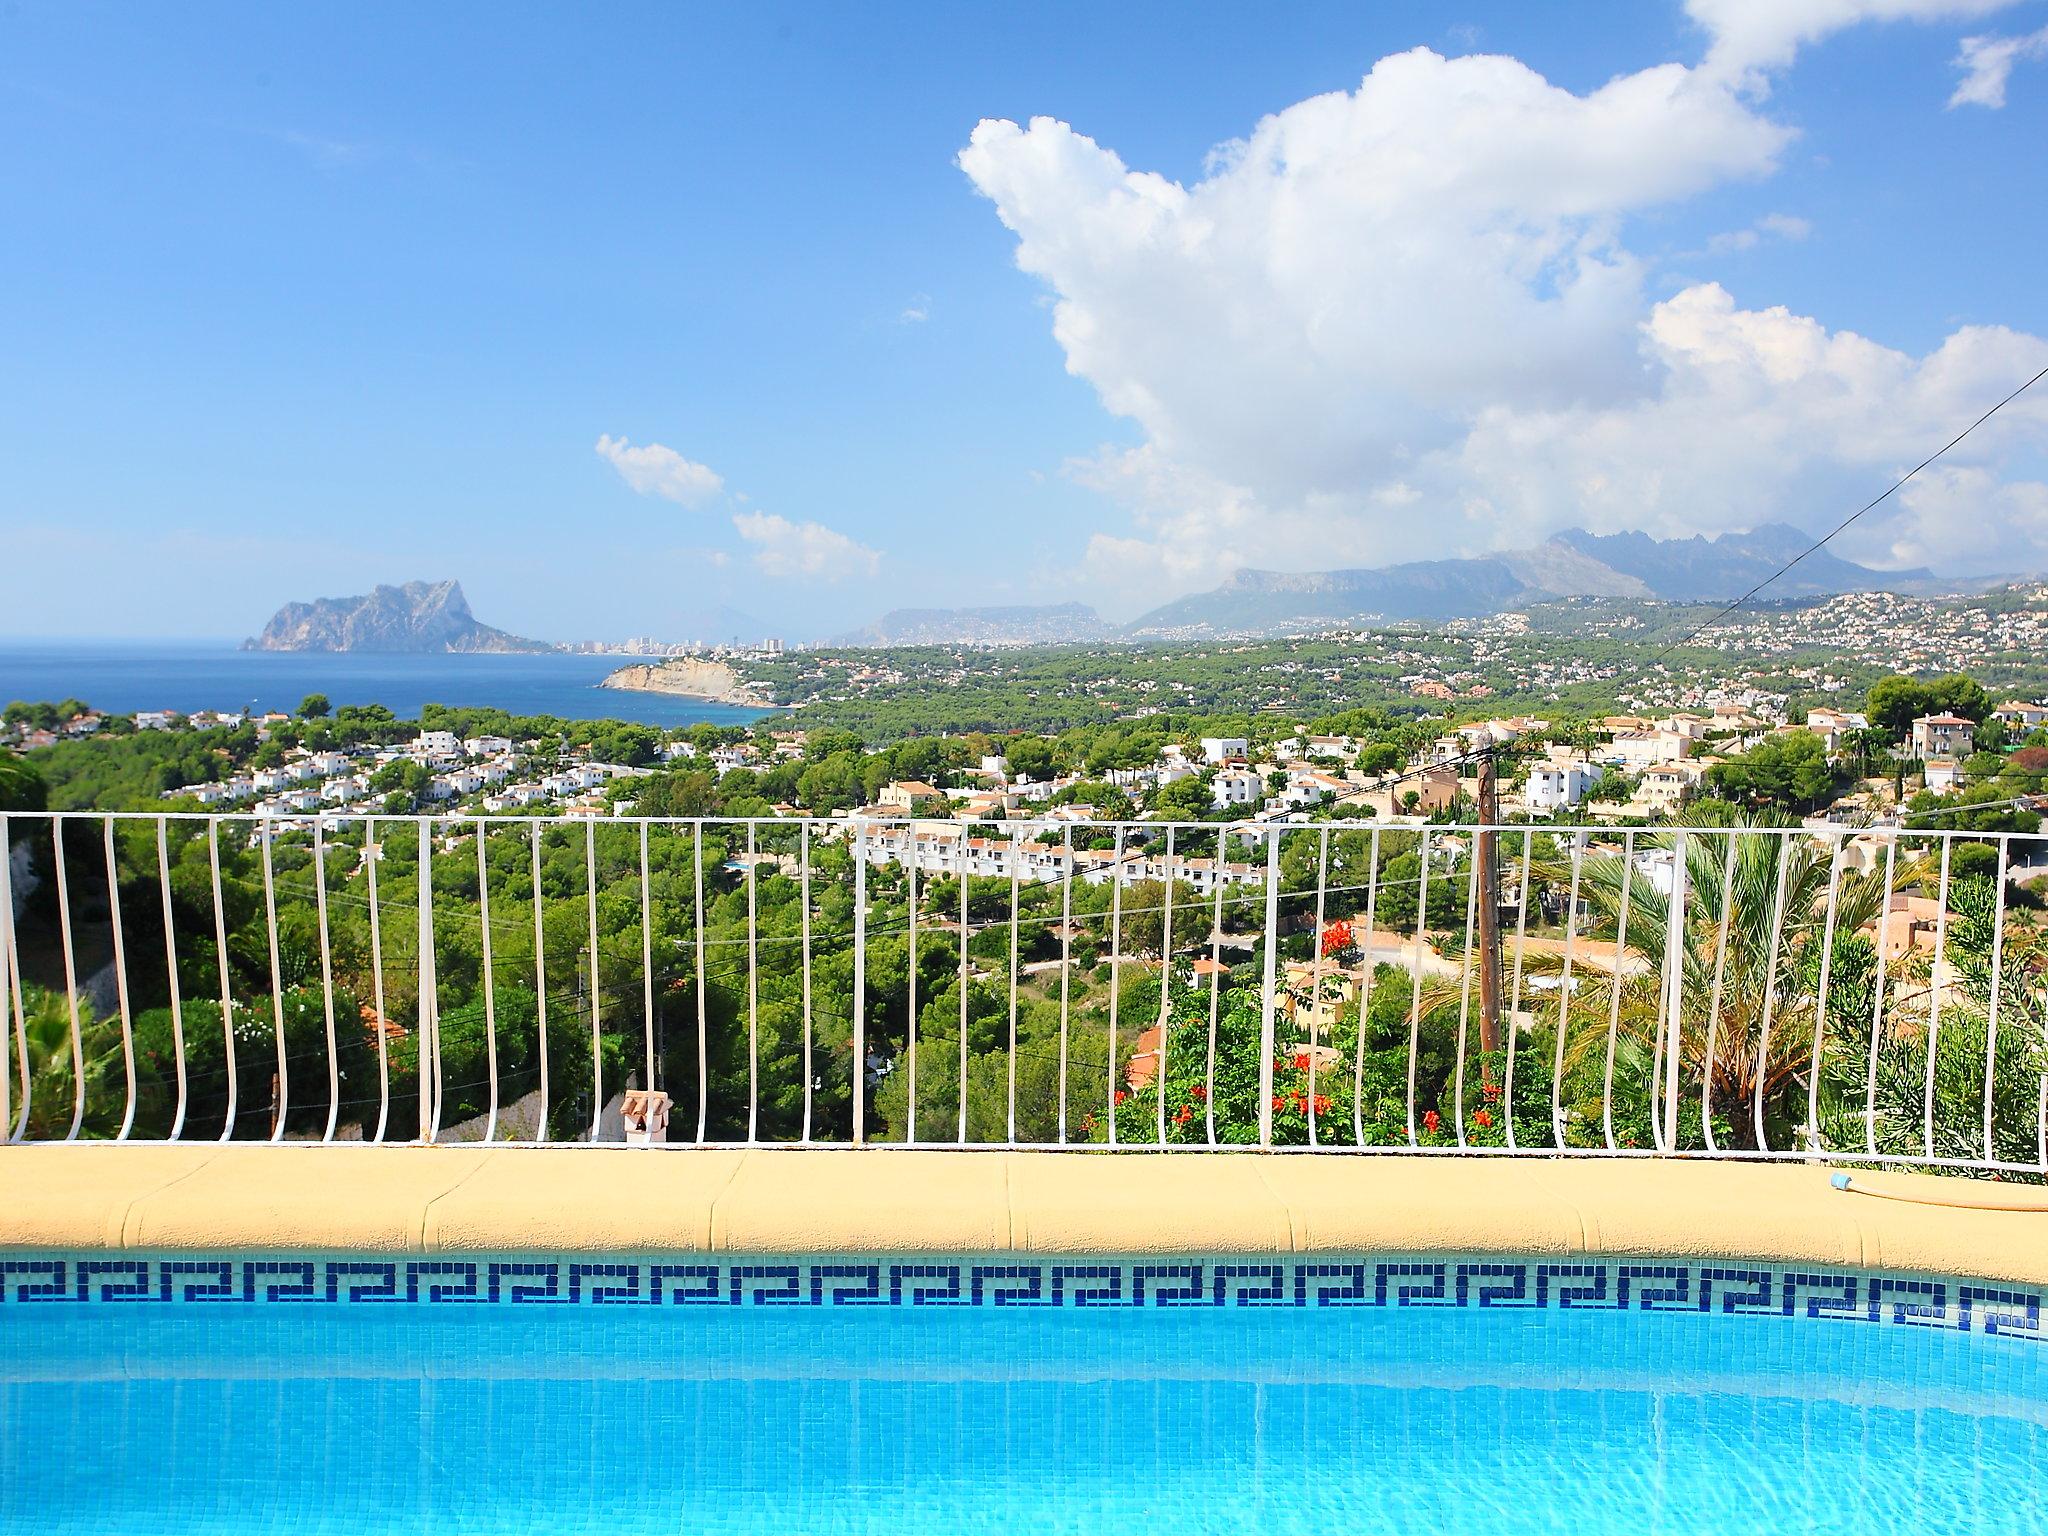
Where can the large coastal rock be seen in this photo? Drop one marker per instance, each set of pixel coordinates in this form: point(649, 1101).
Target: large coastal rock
point(430, 616)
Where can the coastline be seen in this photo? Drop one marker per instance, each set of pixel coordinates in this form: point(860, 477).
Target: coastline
point(713, 682)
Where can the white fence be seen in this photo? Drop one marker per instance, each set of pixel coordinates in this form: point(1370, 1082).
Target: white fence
point(1556, 991)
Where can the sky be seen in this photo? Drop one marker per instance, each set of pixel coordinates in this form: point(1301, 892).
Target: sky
point(630, 315)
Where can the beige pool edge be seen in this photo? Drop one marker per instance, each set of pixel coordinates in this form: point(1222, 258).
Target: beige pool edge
point(612, 1200)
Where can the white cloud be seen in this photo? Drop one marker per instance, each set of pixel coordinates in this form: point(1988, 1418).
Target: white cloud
point(811, 550)
point(1773, 226)
point(1402, 321)
point(1762, 414)
point(657, 471)
point(1986, 63)
point(1750, 36)
point(917, 311)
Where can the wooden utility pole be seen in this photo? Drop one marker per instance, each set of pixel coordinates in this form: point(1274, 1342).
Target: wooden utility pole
point(1487, 851)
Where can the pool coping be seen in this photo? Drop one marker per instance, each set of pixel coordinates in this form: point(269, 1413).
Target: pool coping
point(465, 1200)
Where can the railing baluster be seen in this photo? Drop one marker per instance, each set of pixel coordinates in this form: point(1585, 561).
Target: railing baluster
point(70, 979)
point(1711, 1061)
point(860, 1002)
point(1116, 969)
point(540, 984)
point(1315, 991)
point(1763, 1036)
point(327, 978)
point(430, 992)
point(1564, 999)
point(804, 901)
point(121, 980)
point(703, 1002)
point(1671, 1013)
point(1820, 1008)
point(163, 871)
point(1015, 856)
point(1415, 994)
point(1991, 1011)
point(1511, 1033)
point(483, 923)
point(1877, 991)
point(13, 1016)
point(1269, 1000)
point(1366, 967)
point(1215, 986)
point(910, 1027)
point(1465, 997)
point(1066, 966)
point(280, 1105)
point(227, 1001)
point(1628, 874)
point(1935, 978)
point(753, 992)
point(373, 855)
point(646, 966)
point(960, 865)
point(596, 981)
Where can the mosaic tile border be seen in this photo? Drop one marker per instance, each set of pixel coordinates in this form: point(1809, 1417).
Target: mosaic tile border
point(1006, 1281)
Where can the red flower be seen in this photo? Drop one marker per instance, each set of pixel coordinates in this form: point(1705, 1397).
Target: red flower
point(1482, 1118)
point(1121, 1096)
point(1187, 1113)
point(1201, 1091)
point(1301, 1061)
point(1279, 1101)
point(1336, 936)
point(1491, 1090)
point(1322, 1103)
point(1431, 1121)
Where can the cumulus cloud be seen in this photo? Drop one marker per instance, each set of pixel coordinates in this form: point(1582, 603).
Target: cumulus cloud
point(1986, 63)
point(1751, 36)
point(810, 550)
point(653, 470)
point(1403, 320)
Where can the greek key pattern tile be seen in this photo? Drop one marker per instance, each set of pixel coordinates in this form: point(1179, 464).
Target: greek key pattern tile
point(1762, 1291)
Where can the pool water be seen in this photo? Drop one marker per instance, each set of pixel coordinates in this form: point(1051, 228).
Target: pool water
point(418, 1418)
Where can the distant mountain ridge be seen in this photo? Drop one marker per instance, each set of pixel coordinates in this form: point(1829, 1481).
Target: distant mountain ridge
point(1719, 570)
point(1574, 563)
point(1047, 624)
point(421, 616)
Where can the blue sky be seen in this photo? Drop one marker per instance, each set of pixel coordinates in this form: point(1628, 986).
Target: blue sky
point(298, 299)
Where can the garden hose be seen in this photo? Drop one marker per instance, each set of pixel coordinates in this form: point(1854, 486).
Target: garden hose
point(1842, 1181)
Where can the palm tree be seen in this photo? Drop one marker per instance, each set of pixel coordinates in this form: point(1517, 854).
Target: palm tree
point(1767, 922)
point(46, 1030)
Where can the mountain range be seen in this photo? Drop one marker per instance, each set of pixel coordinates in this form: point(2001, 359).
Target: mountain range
point(1574, 563)
point(422, 616)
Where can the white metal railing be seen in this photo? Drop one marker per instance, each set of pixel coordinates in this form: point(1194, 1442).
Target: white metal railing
point(1745, 991)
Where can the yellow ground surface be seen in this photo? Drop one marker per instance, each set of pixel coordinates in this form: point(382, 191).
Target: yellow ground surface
point(467, 1199)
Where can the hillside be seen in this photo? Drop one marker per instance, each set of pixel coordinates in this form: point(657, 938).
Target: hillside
point(421, 616)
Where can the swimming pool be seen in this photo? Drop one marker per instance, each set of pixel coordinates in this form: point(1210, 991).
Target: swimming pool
point(948, 1395)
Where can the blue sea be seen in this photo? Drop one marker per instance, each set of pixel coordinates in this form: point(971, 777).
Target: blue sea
point(120, 677)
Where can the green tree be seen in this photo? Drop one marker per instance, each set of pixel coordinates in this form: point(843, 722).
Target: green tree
point(314, 706)
point(1789, 769)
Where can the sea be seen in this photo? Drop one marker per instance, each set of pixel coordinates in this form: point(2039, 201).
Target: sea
point(121, 676)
